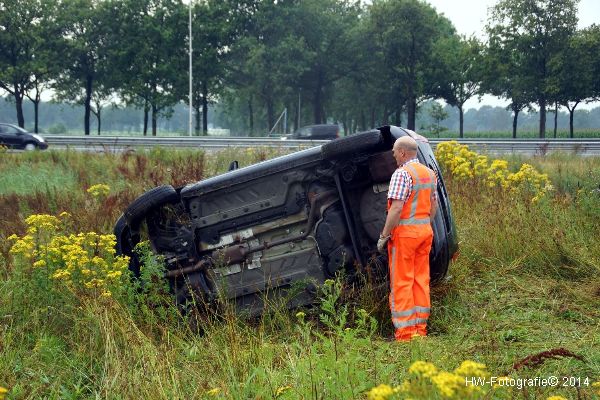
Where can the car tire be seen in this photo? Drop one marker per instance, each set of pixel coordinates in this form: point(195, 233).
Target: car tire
point(29, 146)
point(149, 201)
point(352, 144)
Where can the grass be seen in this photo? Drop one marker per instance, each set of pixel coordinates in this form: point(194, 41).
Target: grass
point(526, 282)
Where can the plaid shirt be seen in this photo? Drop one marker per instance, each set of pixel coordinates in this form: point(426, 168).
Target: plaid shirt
point(401, 183)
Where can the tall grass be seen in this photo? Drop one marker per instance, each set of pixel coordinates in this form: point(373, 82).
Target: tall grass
point(526, 282)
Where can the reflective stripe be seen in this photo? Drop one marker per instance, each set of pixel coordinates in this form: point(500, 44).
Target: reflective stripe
point(415, 200)
point(416, 309)
point(393, 264)
point(414, 221)
point(410, 322)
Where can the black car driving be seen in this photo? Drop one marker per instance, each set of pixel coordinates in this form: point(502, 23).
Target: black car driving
point(15, 137)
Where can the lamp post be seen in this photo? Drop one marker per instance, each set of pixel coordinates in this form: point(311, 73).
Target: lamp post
point(190, 53)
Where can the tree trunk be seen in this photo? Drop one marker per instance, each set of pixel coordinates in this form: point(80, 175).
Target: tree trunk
point(461, 119)
point(36, 107)
point(154, 118)
point(571, 118)
point(542, 131)
point(88, 100)
point(19, 103)
point(270, 114)
point(146, 118)
point(514, 125)
point(197, 117)
point(98, 118)
point(571, 113)
point(398, 116)
point(250, 116)
point(411, 109)
point(204, 109)
point(555, 118)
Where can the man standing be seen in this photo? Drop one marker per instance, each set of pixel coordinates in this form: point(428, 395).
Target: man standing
point(412, 204)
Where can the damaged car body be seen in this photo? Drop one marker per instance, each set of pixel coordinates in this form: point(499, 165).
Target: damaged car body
point(289, 222)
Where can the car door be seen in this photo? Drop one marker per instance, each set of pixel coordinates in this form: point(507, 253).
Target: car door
point(9, 136)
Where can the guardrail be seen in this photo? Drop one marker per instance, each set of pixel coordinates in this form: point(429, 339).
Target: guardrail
point(104, 143)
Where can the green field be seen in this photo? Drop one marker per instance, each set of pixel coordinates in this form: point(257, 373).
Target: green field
point(526, 282)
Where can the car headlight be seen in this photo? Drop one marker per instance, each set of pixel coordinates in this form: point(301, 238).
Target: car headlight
point(38, 137)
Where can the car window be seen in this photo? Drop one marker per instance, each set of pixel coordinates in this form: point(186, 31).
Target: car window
point(1, 129)
point(10, 130)
point(304, 132)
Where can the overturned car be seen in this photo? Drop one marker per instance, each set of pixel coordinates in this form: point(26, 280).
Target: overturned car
point(289, 222)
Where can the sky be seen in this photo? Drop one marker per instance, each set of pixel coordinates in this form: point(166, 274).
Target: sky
point(470, 16)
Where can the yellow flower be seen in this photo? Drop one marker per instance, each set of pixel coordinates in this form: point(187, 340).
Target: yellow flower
point(381, 392)
point(281, 390)
point(64, 214)
point(213, 392)
point(39, 264)
point(448, 384)
point(471, 368)
point(99, 191)
point(422, 368)
point(300, 315)
point(3, 392)
point(556, 398)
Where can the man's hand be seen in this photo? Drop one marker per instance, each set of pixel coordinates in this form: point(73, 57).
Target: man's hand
point(381, 243)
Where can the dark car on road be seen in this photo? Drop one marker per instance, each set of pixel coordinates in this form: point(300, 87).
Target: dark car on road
point(315, 132)
point(15, 137)
point(282, 226)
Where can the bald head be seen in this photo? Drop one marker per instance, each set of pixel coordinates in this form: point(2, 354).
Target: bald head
point(406, 143)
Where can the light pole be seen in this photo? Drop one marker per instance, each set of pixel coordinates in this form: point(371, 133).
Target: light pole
point(190, 53)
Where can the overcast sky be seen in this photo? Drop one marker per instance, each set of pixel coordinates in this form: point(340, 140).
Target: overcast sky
point(470, 16)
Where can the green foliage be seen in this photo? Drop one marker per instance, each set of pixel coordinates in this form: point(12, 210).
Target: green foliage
point(438, 114)
point(57, 129)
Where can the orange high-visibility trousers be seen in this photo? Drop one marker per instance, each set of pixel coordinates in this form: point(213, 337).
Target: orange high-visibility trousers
point(409, 282)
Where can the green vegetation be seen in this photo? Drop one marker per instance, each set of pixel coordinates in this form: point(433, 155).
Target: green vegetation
point(525, 282)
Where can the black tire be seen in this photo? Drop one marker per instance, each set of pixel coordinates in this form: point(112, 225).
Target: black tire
point(352, 144)
point(30, 146)
point(150, 200)
point(127, 237)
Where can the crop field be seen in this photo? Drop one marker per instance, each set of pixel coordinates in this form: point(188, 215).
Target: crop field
point(520, 311)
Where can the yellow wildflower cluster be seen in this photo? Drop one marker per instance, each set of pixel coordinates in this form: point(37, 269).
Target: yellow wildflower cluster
point(464, 163)
point(3, 392)
point(428, 381)
point(85, 262)
point(381, 392)
point(99, 191)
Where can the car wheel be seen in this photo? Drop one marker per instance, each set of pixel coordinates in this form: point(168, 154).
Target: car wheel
point(30, 146)
point(126, 239)
point(149, 201)
point(352, 144)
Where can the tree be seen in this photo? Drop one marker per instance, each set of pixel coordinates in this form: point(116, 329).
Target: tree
point(87, 26)
point(438, 114)
point(406, 31)
point(150, 55)
point(27, 34)
point(504, 74)
point(576, 71)
point(536, 30)
point(461, 63)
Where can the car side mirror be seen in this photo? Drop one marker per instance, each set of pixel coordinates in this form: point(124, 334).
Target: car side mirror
point(233, 165)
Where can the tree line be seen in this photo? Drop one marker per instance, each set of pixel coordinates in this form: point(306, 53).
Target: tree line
point(360, 65)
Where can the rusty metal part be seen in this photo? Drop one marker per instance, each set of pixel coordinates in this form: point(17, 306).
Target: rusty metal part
point(200, 265)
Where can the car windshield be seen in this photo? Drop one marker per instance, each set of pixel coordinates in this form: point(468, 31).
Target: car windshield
point(13, 129)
